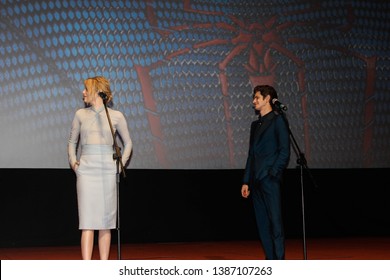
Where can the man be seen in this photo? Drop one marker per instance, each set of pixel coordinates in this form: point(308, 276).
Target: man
point(268, 156)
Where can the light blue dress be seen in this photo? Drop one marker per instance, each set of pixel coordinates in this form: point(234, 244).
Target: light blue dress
point(96, 174)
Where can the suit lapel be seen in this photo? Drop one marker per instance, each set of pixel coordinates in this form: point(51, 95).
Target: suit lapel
point(262, 127)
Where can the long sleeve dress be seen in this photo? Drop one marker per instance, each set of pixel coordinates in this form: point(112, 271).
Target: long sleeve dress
point(96, 174)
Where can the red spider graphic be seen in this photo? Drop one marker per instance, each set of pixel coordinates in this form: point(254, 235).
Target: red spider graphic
point(258, 39)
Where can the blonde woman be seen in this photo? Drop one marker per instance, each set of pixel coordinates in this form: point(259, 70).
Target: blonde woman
point(96, 167)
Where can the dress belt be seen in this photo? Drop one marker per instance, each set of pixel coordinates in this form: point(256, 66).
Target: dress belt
point(96, 149)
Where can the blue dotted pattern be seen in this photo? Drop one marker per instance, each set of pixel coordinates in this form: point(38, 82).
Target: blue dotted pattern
point(49, 47)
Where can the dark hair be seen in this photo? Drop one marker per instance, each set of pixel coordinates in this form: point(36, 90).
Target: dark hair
point(265, 90)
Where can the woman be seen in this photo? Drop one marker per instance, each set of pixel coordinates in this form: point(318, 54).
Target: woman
point(96, 168)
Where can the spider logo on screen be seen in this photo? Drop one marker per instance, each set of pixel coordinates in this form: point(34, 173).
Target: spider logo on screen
point(267, 50)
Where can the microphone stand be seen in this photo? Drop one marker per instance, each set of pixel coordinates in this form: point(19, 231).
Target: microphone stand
point(301, 161)
point(118, 157)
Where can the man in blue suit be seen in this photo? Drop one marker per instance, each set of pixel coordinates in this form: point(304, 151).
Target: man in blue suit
point(268, 156)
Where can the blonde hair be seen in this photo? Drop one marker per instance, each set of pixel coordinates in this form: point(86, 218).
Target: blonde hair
point(98, 84)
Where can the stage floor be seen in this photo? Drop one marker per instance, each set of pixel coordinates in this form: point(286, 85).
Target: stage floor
point(362, 248)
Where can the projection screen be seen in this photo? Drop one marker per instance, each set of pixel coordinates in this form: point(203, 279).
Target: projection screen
point(182, 72)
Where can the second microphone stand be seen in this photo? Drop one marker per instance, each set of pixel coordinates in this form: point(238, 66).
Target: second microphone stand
point(119, 169)
point(301, 160)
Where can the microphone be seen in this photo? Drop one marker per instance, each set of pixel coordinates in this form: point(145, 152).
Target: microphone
point(279, 105)
point(103, 96)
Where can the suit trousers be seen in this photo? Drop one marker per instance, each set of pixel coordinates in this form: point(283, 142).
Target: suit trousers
point(266, 196)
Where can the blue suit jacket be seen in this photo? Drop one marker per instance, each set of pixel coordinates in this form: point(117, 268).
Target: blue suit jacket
point(269, 149)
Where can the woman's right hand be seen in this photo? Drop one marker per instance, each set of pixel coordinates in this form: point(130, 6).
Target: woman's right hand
point(75, 165)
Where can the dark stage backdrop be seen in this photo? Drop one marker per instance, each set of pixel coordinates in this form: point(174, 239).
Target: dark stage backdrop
point(183, 72)
point(39, 207)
